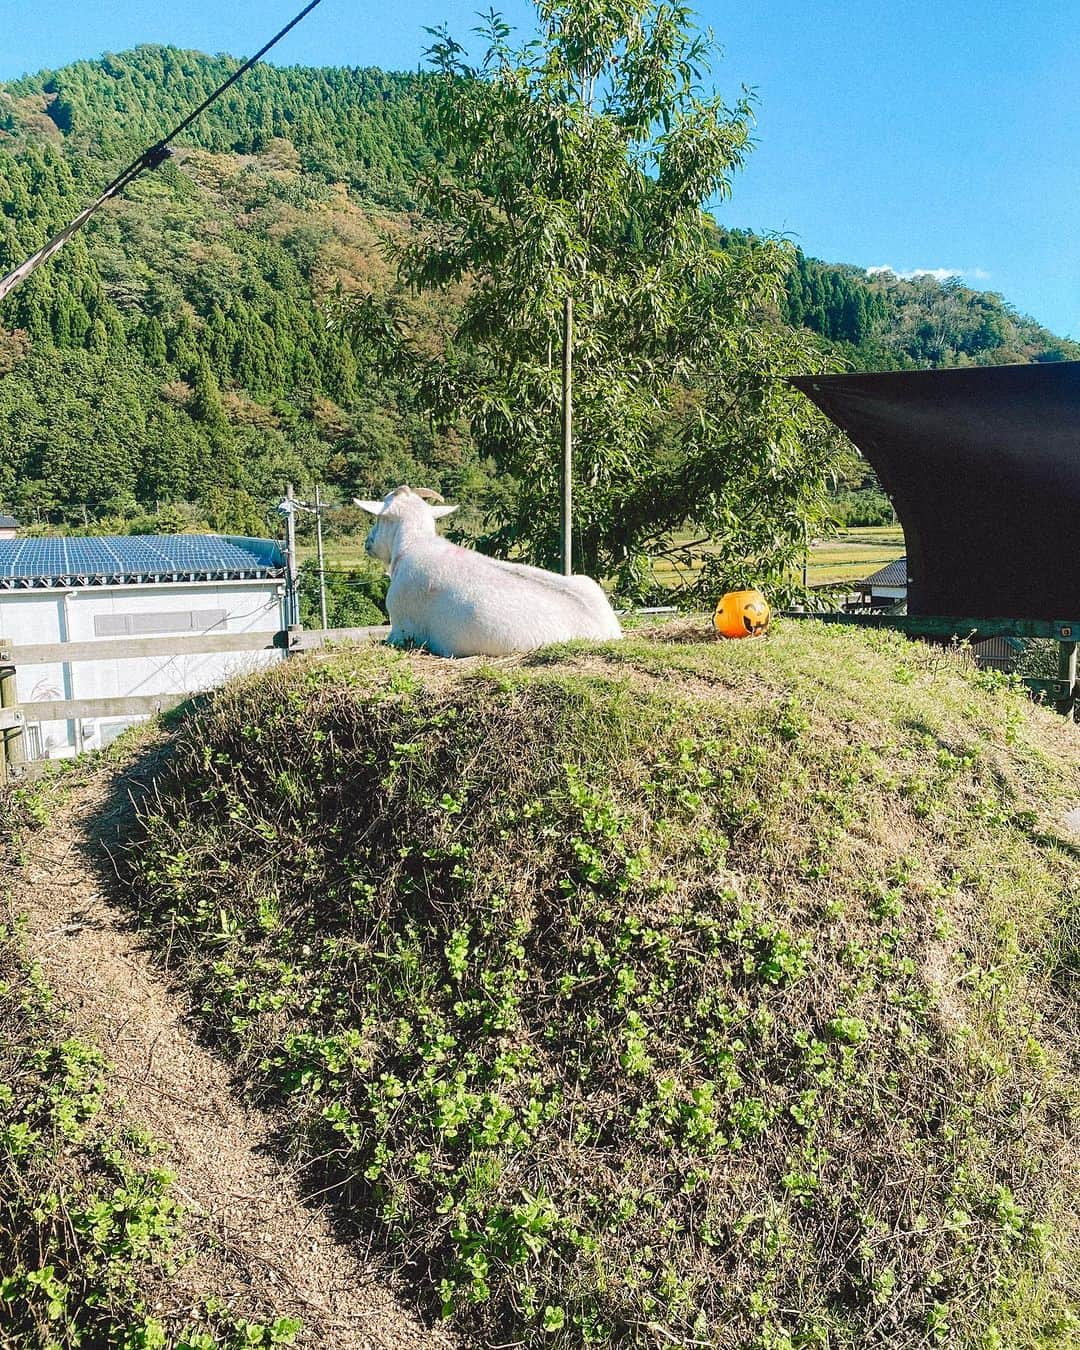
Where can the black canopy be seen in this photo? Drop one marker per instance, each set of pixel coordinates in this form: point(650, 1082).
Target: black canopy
point(983, 467)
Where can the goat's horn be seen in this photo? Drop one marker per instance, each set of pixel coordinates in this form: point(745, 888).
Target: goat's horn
point(428, 494)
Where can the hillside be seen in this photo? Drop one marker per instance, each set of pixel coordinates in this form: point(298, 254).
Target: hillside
point(179, 350)
point(666, 992)
point(885, 322)
point(141, 1205)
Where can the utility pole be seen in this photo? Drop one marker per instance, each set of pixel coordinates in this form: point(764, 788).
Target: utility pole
point(292, 598)
point(319, 548)
point(568, 432)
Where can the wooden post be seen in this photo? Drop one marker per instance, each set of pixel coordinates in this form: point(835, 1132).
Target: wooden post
point(4, 658)
point(322, 569)
point(568, 433)
point(12, 747)
point(1067, 673)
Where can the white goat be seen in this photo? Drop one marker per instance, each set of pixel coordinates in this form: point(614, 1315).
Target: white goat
point(456, 602)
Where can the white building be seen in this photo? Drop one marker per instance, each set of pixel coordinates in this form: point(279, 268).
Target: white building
point(79, 590)
point(886, 587)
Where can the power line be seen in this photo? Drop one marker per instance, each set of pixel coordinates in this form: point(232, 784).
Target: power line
point(151, 158)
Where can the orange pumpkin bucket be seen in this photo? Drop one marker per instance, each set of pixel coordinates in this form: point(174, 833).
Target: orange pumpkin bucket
point(741, 614)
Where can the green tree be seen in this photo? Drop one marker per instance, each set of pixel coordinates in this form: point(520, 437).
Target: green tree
point(152, 337)
point(584, 164)
point(206, 401)
point(214, 275)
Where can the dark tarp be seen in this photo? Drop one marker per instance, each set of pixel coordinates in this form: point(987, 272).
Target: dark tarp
point(983, 467)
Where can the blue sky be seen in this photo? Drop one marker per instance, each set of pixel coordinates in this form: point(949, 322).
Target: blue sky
point(906, 134)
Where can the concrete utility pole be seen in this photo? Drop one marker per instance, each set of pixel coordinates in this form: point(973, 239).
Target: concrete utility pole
point(292, 595)
point(568, 433)
point(319, 548)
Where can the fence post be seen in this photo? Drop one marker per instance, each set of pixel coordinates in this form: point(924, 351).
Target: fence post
point(292, 594)
point(322, 559)
point(12, 749)
point(1067, 674)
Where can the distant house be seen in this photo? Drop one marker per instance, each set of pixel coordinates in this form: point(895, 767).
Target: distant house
point(998, 653)
point(84, 589)
point(9, 526)
point(886, 587)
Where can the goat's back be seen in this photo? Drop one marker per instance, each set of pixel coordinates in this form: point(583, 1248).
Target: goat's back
point(457, 602)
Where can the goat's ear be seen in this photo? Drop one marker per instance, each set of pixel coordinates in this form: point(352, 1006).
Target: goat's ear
point(439, 511)
point(372, 508)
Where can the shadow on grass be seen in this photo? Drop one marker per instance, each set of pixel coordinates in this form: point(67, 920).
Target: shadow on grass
point(109, 846)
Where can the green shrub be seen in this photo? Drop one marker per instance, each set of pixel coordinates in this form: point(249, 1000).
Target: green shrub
point(355, 598)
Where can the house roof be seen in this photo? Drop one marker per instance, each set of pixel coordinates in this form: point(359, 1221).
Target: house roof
point(999, 646)
point(111, 560)
point(892, 574)
point(7, 522)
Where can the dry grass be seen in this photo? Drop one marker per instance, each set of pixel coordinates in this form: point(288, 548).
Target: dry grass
point(257, 1254)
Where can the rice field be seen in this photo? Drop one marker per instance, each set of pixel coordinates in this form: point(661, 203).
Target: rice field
point(848, 557)
point(854, 554)
point(341, 554)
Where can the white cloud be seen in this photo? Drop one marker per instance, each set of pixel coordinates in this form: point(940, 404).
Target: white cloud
point(938, 273)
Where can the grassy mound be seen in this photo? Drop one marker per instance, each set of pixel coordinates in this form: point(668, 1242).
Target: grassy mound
point(665, 993)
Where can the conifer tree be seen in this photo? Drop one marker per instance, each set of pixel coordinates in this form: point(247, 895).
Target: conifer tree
point(152, 341)
point(206, 405)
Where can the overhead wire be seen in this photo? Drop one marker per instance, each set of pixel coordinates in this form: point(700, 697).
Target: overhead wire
point(151, 158)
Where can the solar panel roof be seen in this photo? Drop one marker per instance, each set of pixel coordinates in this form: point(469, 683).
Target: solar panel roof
point(148, 557)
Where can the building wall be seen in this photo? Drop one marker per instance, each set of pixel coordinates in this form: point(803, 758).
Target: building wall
point(887, 595)
point(106, 613)
point(998, 653)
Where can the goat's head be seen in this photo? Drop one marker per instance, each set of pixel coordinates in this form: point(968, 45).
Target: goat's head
point(418, 509)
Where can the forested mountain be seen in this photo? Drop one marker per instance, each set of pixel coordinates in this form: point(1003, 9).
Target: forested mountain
point(178, 360)
point(884, 322)
point(363, 127)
